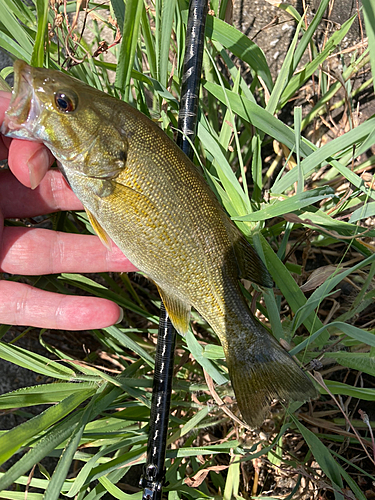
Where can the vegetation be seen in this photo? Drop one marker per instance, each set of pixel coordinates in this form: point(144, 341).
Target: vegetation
point(306, 202)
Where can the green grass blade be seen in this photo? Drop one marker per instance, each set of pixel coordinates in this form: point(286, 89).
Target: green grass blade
point(324, 458)
point(118, 7)
point(240, 45)
point(44, 446)
point(35, 362)
point(197, 351)
point(115, 492)
point(288, 286)
point(285, 73)
point(309, 33)
point(167, 14)
point(361, 361)
point(16, 30)
point(128, 46)
point(323, 291)
point(40, 394)
point(288, 205)
point(12, 440)
point(362, 336)
point(300, 78)
point(325, 153)
point(18, 51)
point(369, 16)
point(259, 117)
point(37, 58)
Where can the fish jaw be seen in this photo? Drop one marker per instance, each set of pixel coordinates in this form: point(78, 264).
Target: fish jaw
point(22, 117)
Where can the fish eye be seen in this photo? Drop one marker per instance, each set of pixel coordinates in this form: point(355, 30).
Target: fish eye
point(65, 103)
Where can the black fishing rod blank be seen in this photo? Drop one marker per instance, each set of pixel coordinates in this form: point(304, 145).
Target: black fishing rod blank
point(187, 117)
point(154, 471)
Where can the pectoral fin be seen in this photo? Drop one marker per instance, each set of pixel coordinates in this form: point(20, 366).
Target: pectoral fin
point(104, 238)
point(178, 311)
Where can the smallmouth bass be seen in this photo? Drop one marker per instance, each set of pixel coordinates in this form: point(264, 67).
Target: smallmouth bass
point(141, 191)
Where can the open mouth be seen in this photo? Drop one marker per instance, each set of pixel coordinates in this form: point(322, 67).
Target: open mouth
point(23, 108)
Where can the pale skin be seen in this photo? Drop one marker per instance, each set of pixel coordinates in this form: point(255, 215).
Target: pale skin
point(29, 189)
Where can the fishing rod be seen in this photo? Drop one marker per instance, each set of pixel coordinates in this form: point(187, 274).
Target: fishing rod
point(153, 477)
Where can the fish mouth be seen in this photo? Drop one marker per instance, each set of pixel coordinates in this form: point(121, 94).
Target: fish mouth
point(24, 109)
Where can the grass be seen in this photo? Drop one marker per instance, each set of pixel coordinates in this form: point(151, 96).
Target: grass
point(304, 194)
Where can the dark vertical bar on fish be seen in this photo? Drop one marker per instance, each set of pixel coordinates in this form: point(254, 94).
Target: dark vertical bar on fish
point(154, 472)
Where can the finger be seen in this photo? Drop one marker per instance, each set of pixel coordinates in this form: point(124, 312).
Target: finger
point(24, 305)
point(52, 195)
point(29, 161)
point(40, 251)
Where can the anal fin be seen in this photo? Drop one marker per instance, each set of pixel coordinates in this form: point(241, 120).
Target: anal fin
point(178, 311)
point(104, 238)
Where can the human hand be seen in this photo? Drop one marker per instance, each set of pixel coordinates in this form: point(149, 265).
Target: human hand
point(33, 251)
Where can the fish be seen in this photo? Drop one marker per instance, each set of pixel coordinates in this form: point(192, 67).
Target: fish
point(143, 193)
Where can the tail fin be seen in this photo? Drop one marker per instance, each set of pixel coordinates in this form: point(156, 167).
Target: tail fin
point(261, 370)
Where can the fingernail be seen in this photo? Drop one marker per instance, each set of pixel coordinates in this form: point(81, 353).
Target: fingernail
point(38, 165)
point(121, 316)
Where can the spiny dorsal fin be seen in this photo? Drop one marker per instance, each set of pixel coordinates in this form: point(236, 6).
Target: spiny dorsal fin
point(104, 238)
point(178, 311)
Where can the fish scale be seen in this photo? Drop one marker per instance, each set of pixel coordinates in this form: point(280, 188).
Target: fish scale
point(142, 192)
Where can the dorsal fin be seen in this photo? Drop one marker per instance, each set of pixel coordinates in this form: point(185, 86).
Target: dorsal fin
point(250, 264)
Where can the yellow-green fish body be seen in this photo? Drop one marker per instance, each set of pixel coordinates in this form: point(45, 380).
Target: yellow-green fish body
point(141, 191)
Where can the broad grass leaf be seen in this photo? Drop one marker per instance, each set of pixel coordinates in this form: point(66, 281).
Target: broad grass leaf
point(128, 46)
point(125, 341)
point(289, 287)
point(118, 7)
point(193, 422)
point(197, 351)
point(100, 402)
point(41, 394)
point(232, 483)
point(361, 361)
point(167, 15)
point(290, 204)
point(326, 153)
point(317, 218)
point(324, 458)
point(362, 336)
point(115, 492)
point(260, 118)
point(41, 448)
point(35, 362)
point(37, 58)
point(99, 290)
point(19, 495)
point(12, 440)
point(362, 393)
point(240, 45)
point(367, 210)
point(226, 175)
point(14, 48)
point(16, 30)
